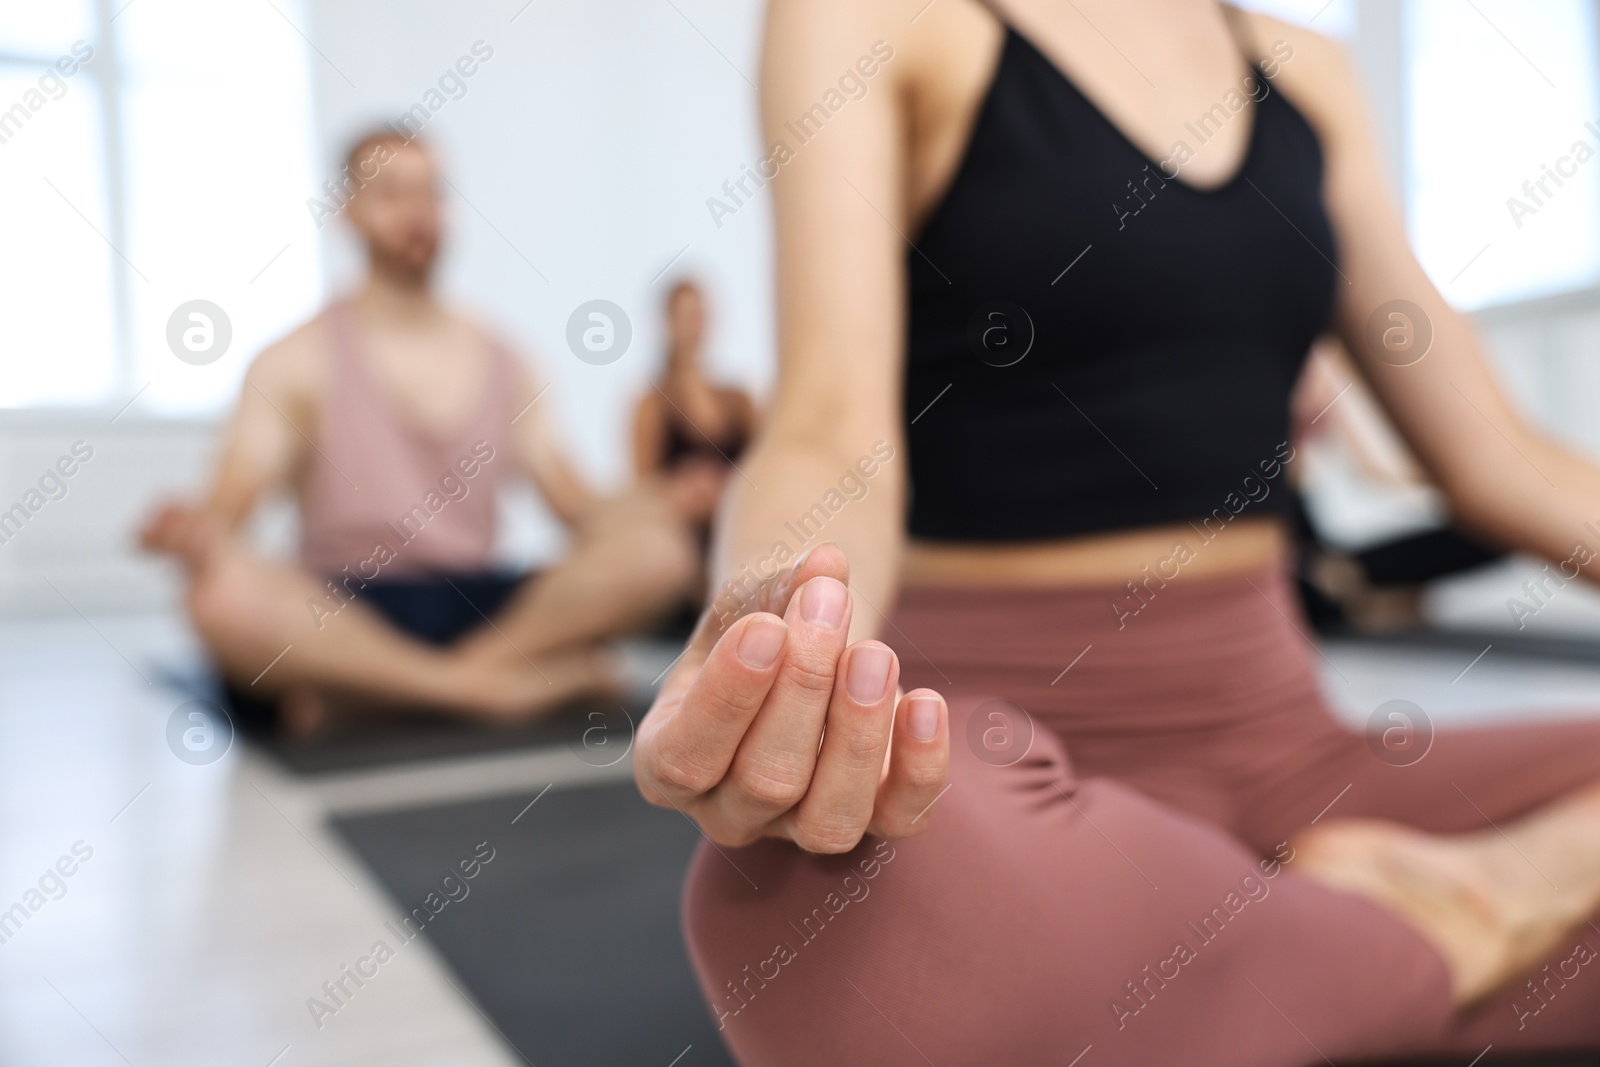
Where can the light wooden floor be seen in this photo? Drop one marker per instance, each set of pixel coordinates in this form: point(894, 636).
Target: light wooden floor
point(215, 903)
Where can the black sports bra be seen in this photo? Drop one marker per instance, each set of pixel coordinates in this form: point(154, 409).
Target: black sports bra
point(682, 444)
point(1093, 345)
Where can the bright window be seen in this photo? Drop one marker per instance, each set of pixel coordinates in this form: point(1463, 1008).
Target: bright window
point(57, 274)
point(1336, 18)
point(1501, 103)
point(173, 164)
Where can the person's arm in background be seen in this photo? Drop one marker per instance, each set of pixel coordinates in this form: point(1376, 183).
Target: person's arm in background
point(1333, 393)
point(733, 739)
point(648, 430)
point(539, 451)
point(264, 444)
point(746, 415)
point(1503, 477)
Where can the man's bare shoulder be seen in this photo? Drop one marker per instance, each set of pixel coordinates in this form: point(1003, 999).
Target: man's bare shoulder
point(477, 328)
point(525, 365)
point(296, 364)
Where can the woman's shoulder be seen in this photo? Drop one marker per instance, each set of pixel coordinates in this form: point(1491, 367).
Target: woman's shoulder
point(1313, 70)
point(900, 37)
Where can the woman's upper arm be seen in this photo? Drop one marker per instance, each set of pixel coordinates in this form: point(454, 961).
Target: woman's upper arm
point(647, 432)
point(1387, 308)
point(829, 74)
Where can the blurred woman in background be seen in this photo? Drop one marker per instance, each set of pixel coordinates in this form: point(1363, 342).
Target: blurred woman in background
point(688, 428)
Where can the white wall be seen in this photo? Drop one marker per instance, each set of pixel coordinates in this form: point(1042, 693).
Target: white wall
point(590, 141)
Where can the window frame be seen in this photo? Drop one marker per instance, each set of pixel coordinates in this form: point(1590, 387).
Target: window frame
point(104, 71)
point(1380, 45)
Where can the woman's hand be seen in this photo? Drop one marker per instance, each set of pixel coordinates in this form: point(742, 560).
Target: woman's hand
point(769, 726)
point(694, 487)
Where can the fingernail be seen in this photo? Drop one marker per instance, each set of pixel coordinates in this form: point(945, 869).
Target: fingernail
point(822, 602)
point(869, 673)
point(761, 642)
point(924, 718)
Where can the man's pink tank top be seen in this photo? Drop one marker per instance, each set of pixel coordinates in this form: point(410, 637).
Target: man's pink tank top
point(384, 496)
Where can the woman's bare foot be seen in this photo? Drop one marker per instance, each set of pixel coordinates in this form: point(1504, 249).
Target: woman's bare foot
point(1494, 903)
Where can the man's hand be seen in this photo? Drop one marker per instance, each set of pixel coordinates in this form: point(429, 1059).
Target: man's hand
point(179, 528)
point(769, 726)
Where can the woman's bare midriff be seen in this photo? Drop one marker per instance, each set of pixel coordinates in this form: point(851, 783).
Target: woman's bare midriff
point(1243, 545)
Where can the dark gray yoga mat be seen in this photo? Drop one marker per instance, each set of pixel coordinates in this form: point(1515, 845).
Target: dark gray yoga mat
point(568, 938)
point(400, 739)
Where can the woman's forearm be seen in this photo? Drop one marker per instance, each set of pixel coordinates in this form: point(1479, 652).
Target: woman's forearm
point(1540, 498)
point(791, 493)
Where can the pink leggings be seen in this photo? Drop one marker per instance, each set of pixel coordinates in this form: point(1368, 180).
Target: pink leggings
point(1134, 904)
